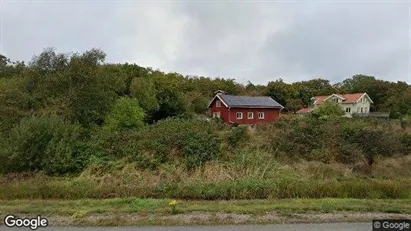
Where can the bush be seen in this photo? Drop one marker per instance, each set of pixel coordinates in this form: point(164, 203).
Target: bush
point(406, 142)
point(237, 135)
point(194, 141)
point(125, 114)
point(43, 143)
point(328, 110)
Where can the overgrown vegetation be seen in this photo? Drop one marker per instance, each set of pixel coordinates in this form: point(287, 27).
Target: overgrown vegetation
point(74, 127)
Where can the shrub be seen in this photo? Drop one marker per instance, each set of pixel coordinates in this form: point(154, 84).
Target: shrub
point(43, 143)
point(237, 135)
point(198, 148)
point(125, 114)
point(195, 141)
point(328, 110)
point(406, 143)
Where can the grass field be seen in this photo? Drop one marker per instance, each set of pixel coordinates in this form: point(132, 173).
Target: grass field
point(160, 206)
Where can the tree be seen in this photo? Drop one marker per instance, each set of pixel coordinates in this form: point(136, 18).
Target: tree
point(125, 114)
point(42, 143)
point(294, 104)
point(376, 89)
point(398, 100)
point(280, 91)
point(327, 110)
point(307, 89)
point(3, 61)
point(49, 60)
point(72, 86)
point(143, 89)
point(168, 96)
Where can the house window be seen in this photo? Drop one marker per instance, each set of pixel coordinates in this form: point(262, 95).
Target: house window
point(362, 110)
point(218, 103)
point(348, 109)
point(239, 115)
point(261, 115)
point(335, 100)
point(250, 115)
point(216, 114)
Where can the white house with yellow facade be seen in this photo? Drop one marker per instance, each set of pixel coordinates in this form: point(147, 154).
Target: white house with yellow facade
point(351, 103)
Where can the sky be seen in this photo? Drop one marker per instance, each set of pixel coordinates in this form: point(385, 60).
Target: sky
point(257, 41)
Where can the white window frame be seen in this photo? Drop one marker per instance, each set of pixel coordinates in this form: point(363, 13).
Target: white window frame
point(239, 117)
point(216, 114)
point(250, 113)
point(362, 110)
point(218, 103)
point(348, 110)
point(335, 100)
point(261, 115)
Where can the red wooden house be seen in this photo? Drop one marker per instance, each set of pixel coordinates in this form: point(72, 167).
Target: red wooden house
point(244, 109)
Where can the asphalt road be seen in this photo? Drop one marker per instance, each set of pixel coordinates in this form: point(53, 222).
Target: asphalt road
point(292, 227)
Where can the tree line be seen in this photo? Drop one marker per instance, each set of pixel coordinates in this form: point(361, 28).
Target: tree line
point(82, 88)
point(60, 112)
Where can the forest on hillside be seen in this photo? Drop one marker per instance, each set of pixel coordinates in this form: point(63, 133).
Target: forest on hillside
point(82, 88)
point(60, 113)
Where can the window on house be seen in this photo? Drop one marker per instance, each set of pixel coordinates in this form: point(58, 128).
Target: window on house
point(335, 100)
point(218, 103)
point(250, 115)
point(348, 109)
point(261, 115)
point(239, 115)
point(216, 114)
point(362, 110)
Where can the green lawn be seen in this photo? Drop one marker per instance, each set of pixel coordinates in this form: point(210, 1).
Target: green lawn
point(160, 206)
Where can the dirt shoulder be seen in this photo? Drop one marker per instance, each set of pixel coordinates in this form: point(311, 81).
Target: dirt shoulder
point(204, 218)
point(137, 211)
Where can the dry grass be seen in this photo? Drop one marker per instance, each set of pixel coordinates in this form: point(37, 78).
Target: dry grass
point(247, 177)
point(393, 168)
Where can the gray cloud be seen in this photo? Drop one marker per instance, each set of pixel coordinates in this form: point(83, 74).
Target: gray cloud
point(242, 40)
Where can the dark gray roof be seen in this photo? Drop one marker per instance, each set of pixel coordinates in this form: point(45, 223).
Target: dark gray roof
point(250, 101)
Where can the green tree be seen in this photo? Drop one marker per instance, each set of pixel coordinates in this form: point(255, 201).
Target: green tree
point(315, 87)
point(294, 104)
point(43, 143)
point(327, 110)
point(125, 114)
point(144, 90)
point(168, 96)
point(376, 89)
point(280, 91)
point(398, 100)
point(72, 86)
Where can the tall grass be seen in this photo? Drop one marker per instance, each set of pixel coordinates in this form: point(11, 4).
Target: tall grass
point(240, 179)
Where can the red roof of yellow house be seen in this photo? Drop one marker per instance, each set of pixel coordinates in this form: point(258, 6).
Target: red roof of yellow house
point(346, 98)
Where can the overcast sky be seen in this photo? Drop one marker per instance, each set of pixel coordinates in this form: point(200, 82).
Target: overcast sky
point(247, 41)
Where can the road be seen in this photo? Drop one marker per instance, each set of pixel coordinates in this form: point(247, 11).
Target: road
point(279, 227)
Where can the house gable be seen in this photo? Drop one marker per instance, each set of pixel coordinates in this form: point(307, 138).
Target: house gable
point(217, 97)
